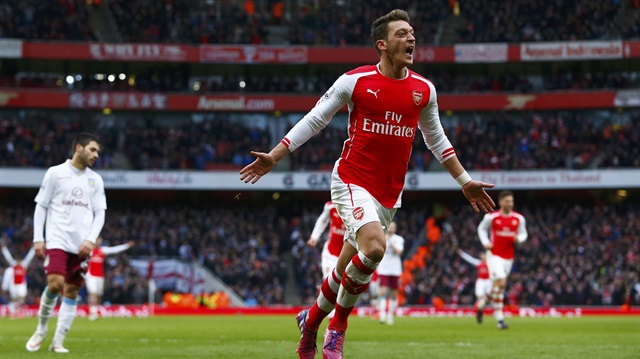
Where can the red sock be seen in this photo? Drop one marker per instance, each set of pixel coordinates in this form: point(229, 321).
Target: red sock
point(326, 298)
point(350, 291)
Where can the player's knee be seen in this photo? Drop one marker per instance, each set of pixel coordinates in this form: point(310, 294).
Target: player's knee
point(71, 291)
point(55, 285)
point(375, 251)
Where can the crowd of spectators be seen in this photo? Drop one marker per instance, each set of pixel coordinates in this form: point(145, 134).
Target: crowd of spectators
point(178, 79)
point(578, 252)
point(539, 20)
point(336, 22)
point(483, 141)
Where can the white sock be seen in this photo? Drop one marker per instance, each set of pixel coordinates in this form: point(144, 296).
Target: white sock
point(66, 315)
point(393, 305)
point(12, 308)
point(93, 309)
point(482, 302)
point(382, 307)
point(47, 303)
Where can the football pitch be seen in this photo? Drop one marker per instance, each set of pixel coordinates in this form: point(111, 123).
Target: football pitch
point(276, 337)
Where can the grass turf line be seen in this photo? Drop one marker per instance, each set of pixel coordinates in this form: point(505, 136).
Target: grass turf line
point(276, 337)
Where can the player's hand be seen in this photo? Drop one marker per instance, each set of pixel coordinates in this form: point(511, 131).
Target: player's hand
point(312, 242)
point(131, 244)
point(85, 249)
point(459, 251)
point(39, 248)
point(479, 199)
point(261, 166)
point(488, 246)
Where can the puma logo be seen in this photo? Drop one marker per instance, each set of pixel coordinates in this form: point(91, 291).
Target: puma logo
point(374, 93)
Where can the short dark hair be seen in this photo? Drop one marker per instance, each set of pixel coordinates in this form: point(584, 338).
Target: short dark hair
point(379, 28)
point(504, 194)
point(83, 139)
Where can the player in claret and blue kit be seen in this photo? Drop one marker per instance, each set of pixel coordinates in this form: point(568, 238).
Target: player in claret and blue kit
point(388, 104)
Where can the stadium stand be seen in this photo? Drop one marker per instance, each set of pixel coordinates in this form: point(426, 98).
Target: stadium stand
point(576, 254)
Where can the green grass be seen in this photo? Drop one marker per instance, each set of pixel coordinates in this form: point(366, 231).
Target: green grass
point(276, 337)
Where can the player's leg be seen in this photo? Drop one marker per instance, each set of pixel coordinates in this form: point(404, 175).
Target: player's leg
point(382, 299)
point(12, 301)
point(74, 280)
point(393, 305)
point(482, 292)
point(309, 320)
point(497, 301)
point(48, 300)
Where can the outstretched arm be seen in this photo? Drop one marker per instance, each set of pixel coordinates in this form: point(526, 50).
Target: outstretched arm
point(116, 249)
point(321, 225)
point(437, 141)
point(317, 119)
point(522, 234)
point(29, 257)
point(7, 256)
point(469, 259)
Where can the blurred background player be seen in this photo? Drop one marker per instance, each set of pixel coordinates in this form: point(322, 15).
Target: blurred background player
point(15, 280)
point(335, 239)
point(483, 282)
point(507, 228)
point(73, 202)
point(95, 274)
point(388, 104)
point(389, 272)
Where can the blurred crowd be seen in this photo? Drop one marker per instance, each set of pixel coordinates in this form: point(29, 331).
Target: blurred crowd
point(541, 20)
point(577, 253)
point(176, 78)
point(483, 141)
point(335, 22)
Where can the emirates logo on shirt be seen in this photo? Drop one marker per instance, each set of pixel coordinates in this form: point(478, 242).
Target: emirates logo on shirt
point(358, 213)
point(417, 97)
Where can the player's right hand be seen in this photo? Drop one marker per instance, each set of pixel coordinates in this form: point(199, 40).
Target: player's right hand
point(39, 248)
point(488, 246)
point(258, 168)
point(312, 242)
point(85, 249)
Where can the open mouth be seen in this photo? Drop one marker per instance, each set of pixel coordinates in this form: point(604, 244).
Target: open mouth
point(409, 50)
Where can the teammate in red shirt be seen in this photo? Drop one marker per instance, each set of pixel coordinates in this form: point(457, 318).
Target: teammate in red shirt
point(335, 238)
point(507, 228)
point(15, 280)
point(483, 282)
point(95, 273)
point(388, 104)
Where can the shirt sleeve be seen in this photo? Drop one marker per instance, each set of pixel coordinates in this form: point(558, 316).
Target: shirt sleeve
point(29, 257)
point(319, 117)
point(522, 231)
point(96, 226)
point(99, 197)
point(483, 230)
point(7, 278)
point(469, 259)
point(399, 244)
point(8, 257)
point(432, 131)
point(47, 189)
point(39, 217)
point(115, 249)
point(321, 223)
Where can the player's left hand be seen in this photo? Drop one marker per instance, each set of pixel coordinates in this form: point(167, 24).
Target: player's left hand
point(131, 244)
point(258, 168)
point(85, 249)
point(479, 199)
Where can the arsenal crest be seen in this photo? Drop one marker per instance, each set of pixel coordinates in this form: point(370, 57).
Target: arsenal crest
point(417, 97)
point(358, 213)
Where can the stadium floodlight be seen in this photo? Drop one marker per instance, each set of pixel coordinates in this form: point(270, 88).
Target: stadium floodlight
point(196, 86)
point(70, 80)
point(99, 77)
point(242, 84)
point(122, 76)
point(78, 77)
point(111, 78)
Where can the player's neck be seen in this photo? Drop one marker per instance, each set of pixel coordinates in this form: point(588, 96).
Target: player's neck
point(505, 212)
point(389, 70)
point(75, 162)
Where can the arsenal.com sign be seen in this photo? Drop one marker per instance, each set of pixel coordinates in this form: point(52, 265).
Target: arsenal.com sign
point(236, 103)
point(577, 50)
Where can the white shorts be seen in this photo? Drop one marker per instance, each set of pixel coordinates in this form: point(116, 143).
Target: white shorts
point(18, 290)
point(357, 207)
point(483, 287)
point(328, 261)
point(95, 285)
point(499, 268)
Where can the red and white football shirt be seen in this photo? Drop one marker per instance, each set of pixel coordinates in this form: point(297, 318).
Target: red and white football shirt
point(384, 115)
point(483, 270)
point(96, 260)
point(19, 274)
point(505, 230)
point(337, 229)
